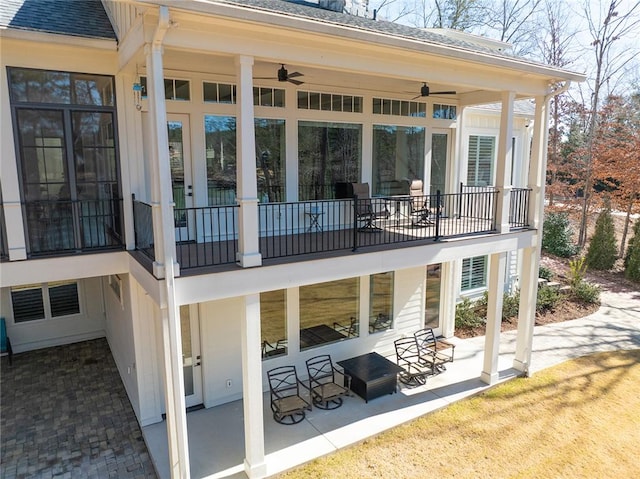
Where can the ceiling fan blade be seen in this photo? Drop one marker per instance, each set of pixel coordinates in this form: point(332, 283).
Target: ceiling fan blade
point(295, 82)
point(443, 93)
point(416, 97)
point(295, 74)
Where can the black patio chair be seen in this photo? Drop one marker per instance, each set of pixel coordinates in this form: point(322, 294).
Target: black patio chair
point(418, 205)
point(366, 214)
point(287, 404)
point(381, 323)
point(433, 351)
point(408, 358)
point(351, 330)
point(328, 385)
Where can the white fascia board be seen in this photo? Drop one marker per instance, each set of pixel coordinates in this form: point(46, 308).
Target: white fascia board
point(15, 273)
point(59, 39)
point(283, 21)
point(202, 288)
point(148, 282)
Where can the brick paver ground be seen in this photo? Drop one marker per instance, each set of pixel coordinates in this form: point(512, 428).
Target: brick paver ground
point(64, 413)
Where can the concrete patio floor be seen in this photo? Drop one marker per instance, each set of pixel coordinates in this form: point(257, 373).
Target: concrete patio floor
point(216, 439)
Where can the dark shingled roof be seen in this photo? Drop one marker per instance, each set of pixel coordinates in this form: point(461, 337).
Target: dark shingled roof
point(81, 18)
point(300, 8)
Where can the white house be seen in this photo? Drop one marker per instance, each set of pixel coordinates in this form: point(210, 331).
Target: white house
point(175, 178)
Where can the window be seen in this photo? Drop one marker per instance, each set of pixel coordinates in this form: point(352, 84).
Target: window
point(474, 273)
point(444, 112)
point(67, 148)
point(385, 106)
point(268, 97)
point(115, 283)
point(480, 160)
point(328, 153)
point(270, 160)
point(173, 89)
point(432, 292)
point(327, 312)
point(219, 93)
point(44, 301)
point(380, 302)
point(398, 157)
point(273, 323)
point(308, 100)
point(220, 141)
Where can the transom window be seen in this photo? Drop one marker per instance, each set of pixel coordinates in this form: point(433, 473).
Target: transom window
point(309, 100)
point(386, 106)
point(174, 89)
point(444, 112)
point(219, 92)
point(265, 96)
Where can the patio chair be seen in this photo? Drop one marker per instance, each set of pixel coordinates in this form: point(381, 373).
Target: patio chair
point(418, 205)
point(287, 404)
point(435, 352)
point(350, 330)
point(364, 210)
point(381, 323)
point(415, 371)
point(268, 349)
point(326, 391)
point(5, 343)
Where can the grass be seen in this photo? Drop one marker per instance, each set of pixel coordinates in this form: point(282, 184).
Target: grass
point(578, 419)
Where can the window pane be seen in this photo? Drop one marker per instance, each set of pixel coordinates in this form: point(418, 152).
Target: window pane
point(273, 323)
point(432, 303)
point(225, 95)
point(266, 95)
point(182, 90)
point(278, 97)
point(303, 100)
point(438, 162)
point(398, 158)
point(474, 272)
point(270, 148)
point(328, 312)
point(220, 141)
point(328, 153)
point(28, 304)
point(480, 160)
point(210, 92)
point(380, 302)
point(91, 90)
point(63, 299)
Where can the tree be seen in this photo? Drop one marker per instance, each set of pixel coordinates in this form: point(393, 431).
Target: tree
point(515, 22)
point(602, 252)
point(556, 235)
point(606, 32)
point(632, 258)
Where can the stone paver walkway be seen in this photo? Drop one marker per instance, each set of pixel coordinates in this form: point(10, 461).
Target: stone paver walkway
point(64, 413)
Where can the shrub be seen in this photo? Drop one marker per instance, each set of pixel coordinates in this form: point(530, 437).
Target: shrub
point(556, 235)
point(548, 298)
point(577, 270)
point(632, 258)
point(545, 273)
point(603, 252)
point(466, 314)
point(586, 292)
point(510, 305)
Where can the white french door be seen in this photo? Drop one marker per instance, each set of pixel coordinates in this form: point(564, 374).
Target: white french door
point(191, 358)
point(181, 175)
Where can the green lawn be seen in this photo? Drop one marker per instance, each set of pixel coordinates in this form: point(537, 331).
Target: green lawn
point(578, 419)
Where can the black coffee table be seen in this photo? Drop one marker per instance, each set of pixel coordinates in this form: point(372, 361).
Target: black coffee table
point(372, 375)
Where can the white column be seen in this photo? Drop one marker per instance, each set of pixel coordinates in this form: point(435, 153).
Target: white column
point(165, 252)
point(10, 180)
point(497, 263)
point(459, 165)
point(503, 164)
point(531, 256)
point(254, 464)
point(248, 245)
point(449, 280)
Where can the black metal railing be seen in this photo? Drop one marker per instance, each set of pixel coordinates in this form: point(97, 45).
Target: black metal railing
point(519, 208)
point(143, 228)
point(206, 236)
point(59, 226)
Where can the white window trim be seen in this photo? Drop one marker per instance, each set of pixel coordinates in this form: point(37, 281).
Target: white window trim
point(44, 287)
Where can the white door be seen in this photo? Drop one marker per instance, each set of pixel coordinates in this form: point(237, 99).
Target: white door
point(439, 161)
point(191, 359)
point(181, 175)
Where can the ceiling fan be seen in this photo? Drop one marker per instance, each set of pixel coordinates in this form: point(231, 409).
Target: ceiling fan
point(284, 75)
point(424, 92)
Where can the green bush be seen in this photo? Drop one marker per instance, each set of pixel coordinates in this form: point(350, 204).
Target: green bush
point(466, 314)
point(545, 273)
point(603, 252)
point(586, 292)
point(556, 235)
point(510, 305)
point(632, 258)
point(548, 298)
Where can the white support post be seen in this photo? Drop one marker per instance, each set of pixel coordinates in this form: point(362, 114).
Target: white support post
point(531, 256)
point(248, 243)
point(503, 165)
point(254, 464)
point(459, 164)
point(497, 265)
point(448, 292)
point(163, 223)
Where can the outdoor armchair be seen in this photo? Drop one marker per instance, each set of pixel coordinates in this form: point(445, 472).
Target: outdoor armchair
point(287, 404)
point(326, 391)
point(408, 358)
point(418, 205)
point(433, 351)
point(381, 323)
point(350, 330)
